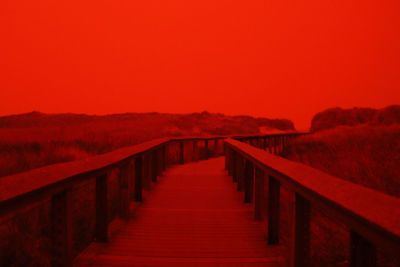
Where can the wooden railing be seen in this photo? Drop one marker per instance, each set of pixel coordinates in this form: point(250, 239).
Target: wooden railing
point(372, 217)
point(137, 167)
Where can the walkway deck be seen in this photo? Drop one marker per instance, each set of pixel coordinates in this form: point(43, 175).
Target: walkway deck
point(193, 217)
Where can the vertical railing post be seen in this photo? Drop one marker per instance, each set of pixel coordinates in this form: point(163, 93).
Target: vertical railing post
point(248, 181)
point(265, 143)
point(131, 184)
point(275, 145)
point(273, 210)
point(164, 156)
point(194, 150)
point(154, 166)
point(259, 194)
point(362, 252)
point(181, 153)
point(61, 229)
point(226, 157)
point(240, 172)
point(270, 144)
point(300, 247)
point(215, 147)
point(124, 191)
point(138, 178)
point(146, 171)
point(206, 148)
point(159, 157)
point(234, 166)
point(101, 232)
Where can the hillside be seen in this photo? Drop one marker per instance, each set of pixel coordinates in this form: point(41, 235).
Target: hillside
point(36, 139)
point(334, 117)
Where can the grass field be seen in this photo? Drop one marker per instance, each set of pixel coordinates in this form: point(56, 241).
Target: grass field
point(365, 154)
point(33, 140)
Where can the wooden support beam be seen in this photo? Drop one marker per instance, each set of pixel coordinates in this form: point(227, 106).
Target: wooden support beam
point(154, 166)
point(300, 247)
point(146, 182)
point(138, 178)
point(248, 181)
point(61, 229)
point(194, 152)
point(101, 231)
point(362, 252)
point(164, 157)
point(274, 189)
point(215, 147)
point(233, 166)
point(124, 191)
point(240, 172)
point(265, 143)
point(160, 161)
point(181, 152)
point(206, 149)
point(259, 194)
point(131, 176)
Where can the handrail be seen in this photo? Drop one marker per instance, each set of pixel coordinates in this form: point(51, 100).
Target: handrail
point(138, 167)
point(372, 217)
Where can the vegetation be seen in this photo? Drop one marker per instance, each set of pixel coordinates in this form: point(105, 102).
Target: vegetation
point(35, 139)
point(365, 154)
point(334, 117)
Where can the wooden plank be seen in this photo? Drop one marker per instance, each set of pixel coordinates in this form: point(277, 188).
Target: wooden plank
point(374, 215)
point(274, 189)
point(259, 194)
point(61, 229)
point(124, 190)
point(138, 179)
point(248, 181)
point(189, 221)
point(300, 246)
point(362, 252)
point(154, 166)
point(101, 231)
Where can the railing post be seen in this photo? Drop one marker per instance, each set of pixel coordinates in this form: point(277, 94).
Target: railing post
point(138, 178)
point(101, 232)
point(215, 147)
point(61, 229)
point(259, 194)
point(234, 166)
point(146, 171)
point(164, 157)
point(226, 157)
point(265, 143)
point(274, 189)
point(154, 167)
point(206, 148)
point(181, 153)
point(194, 157)
point(124, 191)
point(362, 252)
point(240, 172)
point(270, 144)
point(248, 181)
point(300, 247)
point(159, 161)
point(275, 148)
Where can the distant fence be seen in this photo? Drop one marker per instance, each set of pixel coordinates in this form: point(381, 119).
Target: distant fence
point(115, 178)
point(372, 217)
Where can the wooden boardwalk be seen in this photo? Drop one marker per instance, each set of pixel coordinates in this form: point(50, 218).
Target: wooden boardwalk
point(194, 216)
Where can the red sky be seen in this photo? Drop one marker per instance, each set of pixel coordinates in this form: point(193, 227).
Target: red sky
point(286, 59)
